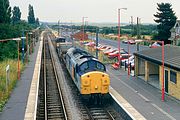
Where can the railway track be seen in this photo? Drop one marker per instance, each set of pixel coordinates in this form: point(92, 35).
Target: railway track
point(99, 113)
point(90, 111)
point(51, 104)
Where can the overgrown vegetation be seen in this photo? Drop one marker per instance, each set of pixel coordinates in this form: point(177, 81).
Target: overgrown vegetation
point(11, 26)
point(4, 94)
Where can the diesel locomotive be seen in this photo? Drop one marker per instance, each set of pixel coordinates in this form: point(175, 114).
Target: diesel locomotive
point(87, 72)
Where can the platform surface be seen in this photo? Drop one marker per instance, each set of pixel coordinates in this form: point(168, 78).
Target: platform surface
point(145, 98)
point(16, 105)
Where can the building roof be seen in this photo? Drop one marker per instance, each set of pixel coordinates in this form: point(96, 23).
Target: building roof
point(171, 56)
point(173, 28)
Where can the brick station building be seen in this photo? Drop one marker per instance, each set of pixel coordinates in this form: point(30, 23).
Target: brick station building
point(79, 36)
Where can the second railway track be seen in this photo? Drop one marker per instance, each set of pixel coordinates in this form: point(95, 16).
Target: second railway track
point(51, 103)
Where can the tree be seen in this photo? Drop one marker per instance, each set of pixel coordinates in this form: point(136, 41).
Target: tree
point(37, 22)
point(16, 15)
point(165, 17)
point(31, 18)
point(5, 11)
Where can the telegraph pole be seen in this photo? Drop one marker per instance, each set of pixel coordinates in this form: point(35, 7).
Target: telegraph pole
point(132, 26)
point(97, 31)
point(138, 30)
point(58, 27)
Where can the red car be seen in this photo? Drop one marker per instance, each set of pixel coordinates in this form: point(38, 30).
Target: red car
point(116, 54)
point(131, 42)
point(91, 44)
point(103, 47)
point(110, 51)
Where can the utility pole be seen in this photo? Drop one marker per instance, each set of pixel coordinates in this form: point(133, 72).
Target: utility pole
point(23, 45)
point(132, 26)
point(58, 27)
point(97, 42)
point(138, 30)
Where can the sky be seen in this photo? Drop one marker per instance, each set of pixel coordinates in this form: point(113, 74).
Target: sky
point(98, 11)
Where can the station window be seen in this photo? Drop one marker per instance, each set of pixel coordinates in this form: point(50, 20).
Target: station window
point(173, 76)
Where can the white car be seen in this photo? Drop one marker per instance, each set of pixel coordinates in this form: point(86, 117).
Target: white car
point(130, 59)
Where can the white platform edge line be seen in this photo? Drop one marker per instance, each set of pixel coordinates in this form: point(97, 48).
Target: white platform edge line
point(38, 63)
point(123, 107)
point(37, 89)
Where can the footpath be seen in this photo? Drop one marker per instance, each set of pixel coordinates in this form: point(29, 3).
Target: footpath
point(16, 105)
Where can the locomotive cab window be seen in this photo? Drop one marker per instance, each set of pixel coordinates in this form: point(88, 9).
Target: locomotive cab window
point(84, 67)
point(91, 66)
point(100, 66)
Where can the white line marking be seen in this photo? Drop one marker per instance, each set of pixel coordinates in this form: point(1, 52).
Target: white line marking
point(165, 113)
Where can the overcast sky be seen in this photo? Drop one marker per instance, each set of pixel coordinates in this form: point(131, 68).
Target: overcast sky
point(95, 10)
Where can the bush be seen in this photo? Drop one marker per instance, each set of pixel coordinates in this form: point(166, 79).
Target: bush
point(9, 48)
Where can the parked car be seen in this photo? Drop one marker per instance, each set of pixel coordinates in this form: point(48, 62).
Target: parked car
point(125, 41)
point(91, 44)
point(154, 45)
point(110, 51)
point(116, 54)
point(131, 42)
point(99, 46)
point(139, 40)
point(130, 59)
point(104, 47)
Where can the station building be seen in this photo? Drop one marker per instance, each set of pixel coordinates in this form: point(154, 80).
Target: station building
point(80, 36)
point(148, 66)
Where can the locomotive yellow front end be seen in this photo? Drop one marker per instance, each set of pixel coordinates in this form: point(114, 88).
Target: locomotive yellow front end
point(95, 82)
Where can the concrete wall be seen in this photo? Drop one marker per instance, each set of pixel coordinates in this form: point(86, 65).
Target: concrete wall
point(173, 89)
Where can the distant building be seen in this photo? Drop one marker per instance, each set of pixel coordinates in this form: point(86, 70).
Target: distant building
point(148, 66)
point(80, 36)
point(175, 34)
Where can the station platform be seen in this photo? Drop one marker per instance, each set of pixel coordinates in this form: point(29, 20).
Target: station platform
point(16, 106)
point(145, 98)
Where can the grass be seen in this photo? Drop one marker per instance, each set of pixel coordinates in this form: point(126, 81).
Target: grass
point(4, 94)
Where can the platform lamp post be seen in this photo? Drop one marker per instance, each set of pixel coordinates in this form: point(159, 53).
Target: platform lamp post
point(30, 46)
point(163, 92)
point(18, 66)
point(23, 38)
point(119, 47)
point(128, 60)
